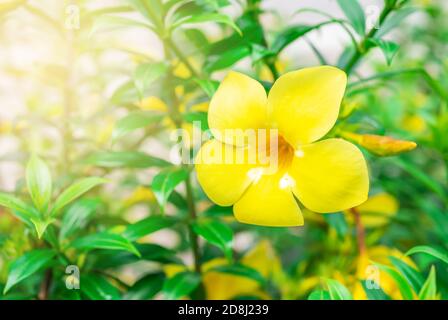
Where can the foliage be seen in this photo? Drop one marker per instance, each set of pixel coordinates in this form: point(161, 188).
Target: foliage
point(100, 188)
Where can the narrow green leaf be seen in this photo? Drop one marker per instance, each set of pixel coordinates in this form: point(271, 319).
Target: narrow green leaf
point(127, 159)
point(337, 291)
point(208, 86)
point(319, 295)
point(146, 74)
point(96, 287)
point(20, 209)
point(217, 234)
point(355, 14)
point(241, 270)
point(374, 293)
point(181, 285)
point(146, 287)
point(429, 289)
point(289, 35)
point(38, 179)
point(135, 120)
point(111, 22)
point(77, 217)
point(147, 226)
point(105, 240)
point(207, 17)
point(412, 276)
point(403, 285)
point(388, 48)
point(164, 183)
point(436, 253)
point(28, 264)
point(394, 21)
point(76, 190)
point(149, 252)
point(226, 59)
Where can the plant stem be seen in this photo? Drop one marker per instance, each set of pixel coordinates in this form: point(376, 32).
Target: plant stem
point(193, 237)
point(360, 232)
point(176, 117)
point(362, 48)
point(45, 285)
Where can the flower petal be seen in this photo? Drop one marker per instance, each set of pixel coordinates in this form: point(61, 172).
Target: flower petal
point(377, 210)
point(330, 176)
point(269, 202)
point(304, 104)
point(239, 103)
point(223, 177)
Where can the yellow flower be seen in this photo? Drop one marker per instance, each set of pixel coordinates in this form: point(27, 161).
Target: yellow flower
point(378, 254)
point(326, 176)
point(223, 286)
point(376, 211)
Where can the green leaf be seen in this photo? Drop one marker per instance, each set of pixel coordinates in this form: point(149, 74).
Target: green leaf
point(338, 222)
point(38, 179)
point(76, 190)
point(355, 14)
point(146, 287)
point(207, 17)
point(149, 252)
point(110, 22)
point(412, 276)
point(241, 270)
point(105, 240)
point(164, 183)
point(420, 175)
point(319, 295)
point(374, 293)
point(217, 234)
point(218, 211)
point(28, 264)
point(289, 35)
point(181, 285)
point(226, 59)
point(135, 120)
point(403, 285)
point(394, 21)
point(388, 48)
point(197, 117)
point(208, 86)
point(77, 217)
point(20, 209)
point(148, 73)
point(429, 289)
point(147, 226)
point(436, 253)
point(127, 159)
point(337, 291)
point(96, 287)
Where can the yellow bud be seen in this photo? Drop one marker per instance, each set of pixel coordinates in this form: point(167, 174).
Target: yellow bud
point(381, 146)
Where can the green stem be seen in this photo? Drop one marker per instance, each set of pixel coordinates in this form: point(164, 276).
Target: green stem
point(362, 49)
point(193, 237)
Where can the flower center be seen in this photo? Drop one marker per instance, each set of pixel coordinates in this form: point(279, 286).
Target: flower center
point(276, 152)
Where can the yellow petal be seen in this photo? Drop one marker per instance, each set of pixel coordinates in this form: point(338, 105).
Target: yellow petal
point(223, 286)
point(239, 103)
point(152, 104)
point(304, 104)
point(263, 259)
point(330, 176)
point(377, 210)
point(224, 179)
point(269, 201)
